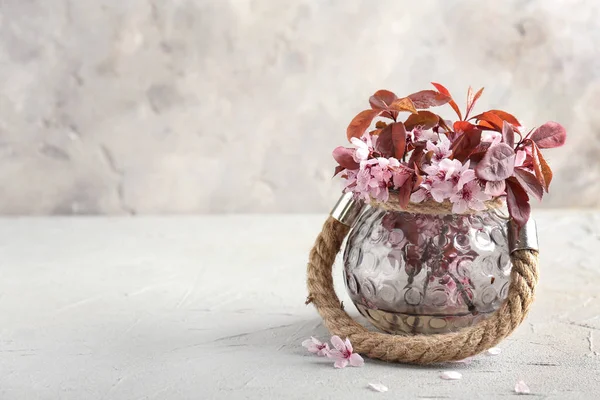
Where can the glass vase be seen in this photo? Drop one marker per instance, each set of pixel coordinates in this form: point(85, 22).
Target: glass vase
point(411, 273)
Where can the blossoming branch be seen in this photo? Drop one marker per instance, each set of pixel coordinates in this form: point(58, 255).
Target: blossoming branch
point(423, 157)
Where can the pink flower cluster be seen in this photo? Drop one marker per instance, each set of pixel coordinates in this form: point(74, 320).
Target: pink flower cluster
point(449, 179)
point(342, 353)
point(374, 176)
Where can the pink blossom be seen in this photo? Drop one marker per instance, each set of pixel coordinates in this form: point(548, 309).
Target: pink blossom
point(458, 173)
point(314, 345)
point(418, 134)
point(372, 179)
point(469, 197)
point(364, 147)
point(420, 195)
point(441, 149)
point(492, 137)
point(343, 355)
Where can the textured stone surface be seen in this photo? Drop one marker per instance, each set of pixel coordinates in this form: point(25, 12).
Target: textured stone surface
point(147, 106)
point(198, 308)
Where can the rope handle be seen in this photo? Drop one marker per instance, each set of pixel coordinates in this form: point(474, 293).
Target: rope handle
point(419, 349)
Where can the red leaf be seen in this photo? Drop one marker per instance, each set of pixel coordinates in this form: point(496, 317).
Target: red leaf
point(465, 144)
point(403, 104)
point(518, 202)
point(344, 157)
point(506, 117)
point(429, 98)
point(540, 167)
point(398, 139)
point(508, 134)
point(529, 182)
point(382, 99)
point(424, 119)
point(486, 126)
point(497, 164)
point(495, 121)
point(452, 103)
point(461, 127)
point(360, 123)
point(549, 135)
point(472, 99)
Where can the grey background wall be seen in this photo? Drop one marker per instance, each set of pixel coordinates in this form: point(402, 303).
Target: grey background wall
point(149, 106)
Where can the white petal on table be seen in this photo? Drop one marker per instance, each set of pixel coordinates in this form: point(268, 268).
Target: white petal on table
point(378, 387)
point(451, 375)
point(522, 388)
point(494, 351)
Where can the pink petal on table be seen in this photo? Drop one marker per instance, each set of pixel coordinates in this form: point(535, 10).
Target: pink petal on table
point(338, 343)
point(522, 388)
point(378, 387)
point(494, 351)
point(356, 360)
point(451, 375)
point(341, 363)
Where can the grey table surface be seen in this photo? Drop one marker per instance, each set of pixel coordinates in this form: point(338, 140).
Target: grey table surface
point(213, 308)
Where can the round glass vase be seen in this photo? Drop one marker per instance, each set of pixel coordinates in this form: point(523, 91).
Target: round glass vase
point(411, 273)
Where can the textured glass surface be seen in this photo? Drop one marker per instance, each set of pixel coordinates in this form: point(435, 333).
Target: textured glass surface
point(418, 273)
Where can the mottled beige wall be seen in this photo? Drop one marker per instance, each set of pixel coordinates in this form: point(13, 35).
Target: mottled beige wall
point(149, 106)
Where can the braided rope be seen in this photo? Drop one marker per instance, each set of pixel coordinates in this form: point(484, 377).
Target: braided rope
point(420, 349)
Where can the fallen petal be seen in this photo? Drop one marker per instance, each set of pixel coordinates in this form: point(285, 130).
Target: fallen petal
point(451, 375)
point(465, 361)
point(378, 387)
point(341, 363)
point(494, 351)
point(356, 360)
point(522, 388)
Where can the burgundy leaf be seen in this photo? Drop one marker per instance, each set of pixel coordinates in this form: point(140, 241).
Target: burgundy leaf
point(360, 123)
point(549, 135)
point(479, 151)
point(517, 201)
point(452, 103)
point(424, 119)
point(345, 157)
point(398, 139)
point(529, 182)
point(338, 169)
point(384, 144)
point(382, 99)
point(472, 99)
point(465, 144)
point(497, 164)
point(429, 98)
point(508, 134)
point(416, 156)
point(404, 193)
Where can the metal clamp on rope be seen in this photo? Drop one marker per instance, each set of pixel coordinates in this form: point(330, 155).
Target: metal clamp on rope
point(347, 209)
point(525, 238)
